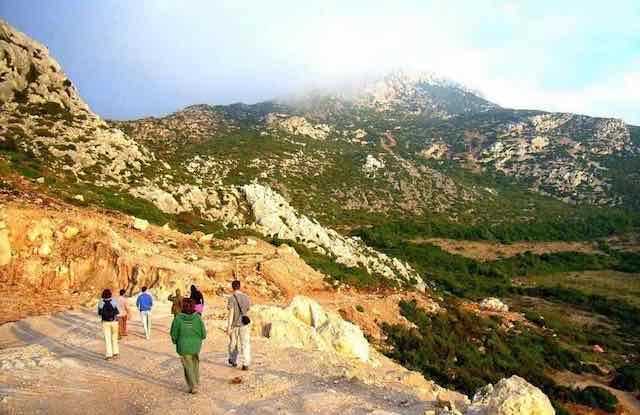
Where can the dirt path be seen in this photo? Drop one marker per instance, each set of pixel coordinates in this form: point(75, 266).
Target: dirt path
point(61, 369)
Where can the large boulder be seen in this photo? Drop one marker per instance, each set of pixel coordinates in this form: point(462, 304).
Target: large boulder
point(304, 324)
point(140, 224)
point(513, 396)
point(345, 338)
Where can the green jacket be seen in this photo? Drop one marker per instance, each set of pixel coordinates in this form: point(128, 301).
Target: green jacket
point(187, 333)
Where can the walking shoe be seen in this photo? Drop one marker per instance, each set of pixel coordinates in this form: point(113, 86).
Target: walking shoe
point(115, 355)
point(108, 357)
point(245, 367)
point(232, 363)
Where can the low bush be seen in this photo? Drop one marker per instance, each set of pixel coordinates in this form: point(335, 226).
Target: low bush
point(592, 396)
point(627, 377)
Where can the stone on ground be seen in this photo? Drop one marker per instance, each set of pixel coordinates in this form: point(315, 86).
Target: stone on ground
point(512, 396)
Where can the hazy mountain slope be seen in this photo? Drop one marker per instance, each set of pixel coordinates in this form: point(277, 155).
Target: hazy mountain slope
point(49, 133)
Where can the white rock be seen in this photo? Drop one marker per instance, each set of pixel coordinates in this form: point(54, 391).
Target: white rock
point(140, 224)
point(513, 396)
point(45, 249)
point(40, 180)
point(294, 327)
point(70, 232)
point(307, 310)
point(493, 304)
point(79, 198)
point(346, 338)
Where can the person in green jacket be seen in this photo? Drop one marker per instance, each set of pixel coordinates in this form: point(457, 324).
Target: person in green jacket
point(187, 333)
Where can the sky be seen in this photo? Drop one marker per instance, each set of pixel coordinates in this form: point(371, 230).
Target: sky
point(130, 59)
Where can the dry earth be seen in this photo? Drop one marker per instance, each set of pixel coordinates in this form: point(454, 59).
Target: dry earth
point(58, 367)
point(489, 251)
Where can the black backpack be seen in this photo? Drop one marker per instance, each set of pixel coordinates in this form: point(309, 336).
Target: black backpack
point(108, 311)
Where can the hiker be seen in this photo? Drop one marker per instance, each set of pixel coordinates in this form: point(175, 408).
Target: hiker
point(187, 333)
point(238, 328)
point(108, 311)
point(124, 311)
point(145, 303)
point(198, 299)
point(176, 302)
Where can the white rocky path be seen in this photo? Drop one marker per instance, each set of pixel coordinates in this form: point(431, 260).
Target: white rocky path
point(55, 365)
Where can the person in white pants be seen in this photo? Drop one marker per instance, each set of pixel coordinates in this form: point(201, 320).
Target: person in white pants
point(145, 304)
point(239, 333)
point(108, 311)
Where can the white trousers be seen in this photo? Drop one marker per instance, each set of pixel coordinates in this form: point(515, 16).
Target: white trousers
point(110, 330)
point(240, 345)
point(146, 323)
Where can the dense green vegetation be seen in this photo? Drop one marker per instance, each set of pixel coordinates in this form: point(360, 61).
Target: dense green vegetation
point(464, 351)
point(627, 377)
point(587, 226)
point(466, 277)
point(592, 396)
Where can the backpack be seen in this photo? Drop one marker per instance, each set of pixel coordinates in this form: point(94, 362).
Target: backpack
point(108, 311)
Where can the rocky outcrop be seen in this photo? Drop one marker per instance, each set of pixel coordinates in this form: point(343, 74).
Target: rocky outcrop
point(512, 396)
point(304, 324)
point(28, 74)
point(297, 125)
point(372, 165)
point(493, 304)
point(42, 115)
point(275, 217)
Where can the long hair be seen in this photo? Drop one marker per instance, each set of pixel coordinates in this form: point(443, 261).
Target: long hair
point(188, 306)
point(106, 293)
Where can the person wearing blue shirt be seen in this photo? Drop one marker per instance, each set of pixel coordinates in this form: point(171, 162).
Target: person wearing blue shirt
point(145, 304)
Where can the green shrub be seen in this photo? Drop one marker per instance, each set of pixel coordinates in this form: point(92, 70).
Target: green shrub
point(627, 377)
point(594, 397)
point(462, 350)
point(360, 308)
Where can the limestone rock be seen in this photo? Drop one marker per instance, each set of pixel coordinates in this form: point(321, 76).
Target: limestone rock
point(308, 311)
point(45, 249)
point(372, 165)
point(79, 198)
point(140, 224)
point(493, 304)
point(295, 326)
point(512, 396)
point(345, 338)
point(274, 216)
point(70, 232)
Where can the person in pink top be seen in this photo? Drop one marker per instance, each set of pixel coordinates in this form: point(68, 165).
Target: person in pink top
point(123, 307)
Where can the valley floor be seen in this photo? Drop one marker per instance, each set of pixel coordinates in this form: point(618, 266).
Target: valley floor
point(55, 364)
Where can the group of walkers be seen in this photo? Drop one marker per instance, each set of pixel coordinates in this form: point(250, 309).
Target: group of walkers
point(188, 330)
